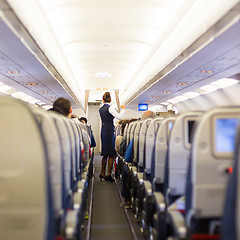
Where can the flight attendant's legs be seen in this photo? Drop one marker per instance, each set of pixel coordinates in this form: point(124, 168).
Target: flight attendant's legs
point(104, 164)
point(110, 164)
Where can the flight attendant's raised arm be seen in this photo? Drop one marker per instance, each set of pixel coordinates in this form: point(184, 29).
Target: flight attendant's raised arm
point(115, 113)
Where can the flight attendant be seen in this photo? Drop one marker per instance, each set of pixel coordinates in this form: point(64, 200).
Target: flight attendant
point(107, 114)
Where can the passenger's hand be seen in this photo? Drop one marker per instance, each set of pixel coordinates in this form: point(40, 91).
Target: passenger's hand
point(122, 106)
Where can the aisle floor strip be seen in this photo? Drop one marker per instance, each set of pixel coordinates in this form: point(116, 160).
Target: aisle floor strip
point(90, 208)
point(125, 210)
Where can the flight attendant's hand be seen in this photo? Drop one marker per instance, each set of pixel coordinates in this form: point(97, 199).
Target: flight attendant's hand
point(122, 106)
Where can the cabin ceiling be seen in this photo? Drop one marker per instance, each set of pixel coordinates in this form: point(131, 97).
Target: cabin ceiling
point(109, 45)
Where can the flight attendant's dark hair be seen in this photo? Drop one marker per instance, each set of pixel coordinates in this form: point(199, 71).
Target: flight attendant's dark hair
point(107, 97)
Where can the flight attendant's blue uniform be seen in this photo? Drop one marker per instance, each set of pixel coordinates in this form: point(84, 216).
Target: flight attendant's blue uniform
point(107, 114)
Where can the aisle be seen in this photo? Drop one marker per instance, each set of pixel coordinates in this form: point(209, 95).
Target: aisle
point(108, 218)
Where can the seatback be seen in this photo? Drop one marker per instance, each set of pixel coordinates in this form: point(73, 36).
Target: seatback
point(128, 133)
point(179, 152)
point(65, 153)
point(142, 141)
point(77, 147)
point(211, 156)
point(25, 198)
point(161, 146)
point(73, 156)
point(86, 142)
point(150, 142)
point(136, 141)
point(125, 130)
point(53, 145)
point(133, 130)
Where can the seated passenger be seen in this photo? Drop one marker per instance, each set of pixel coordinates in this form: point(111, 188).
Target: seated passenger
point(62, 106)
point(126, 185)
point(90, 132)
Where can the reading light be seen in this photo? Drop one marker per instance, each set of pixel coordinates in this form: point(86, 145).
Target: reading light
point(52, 97)
point(208, 71)
point(14, 72)
point(156, 97)
point(166, 91)
point(44, 92)
point(31, 84)
point(182, 84)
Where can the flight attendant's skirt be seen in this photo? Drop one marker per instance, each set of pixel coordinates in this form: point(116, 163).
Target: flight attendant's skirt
point(108, 141)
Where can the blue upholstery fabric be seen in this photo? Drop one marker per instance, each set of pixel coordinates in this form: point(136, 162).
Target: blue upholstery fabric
point(166, 169)
point(153, 164)
point(129, 152)
point(189, 186)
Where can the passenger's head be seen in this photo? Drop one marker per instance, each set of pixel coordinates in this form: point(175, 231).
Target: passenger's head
point(123, 125)
point(83, 120)
point(63, 106)
point(148, 114)
point(107, 97)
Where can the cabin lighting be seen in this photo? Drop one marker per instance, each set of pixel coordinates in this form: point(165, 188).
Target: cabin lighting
point(103, 74)
point(166, 91)
point(191, 94)
point(43, 92)
point(225, 82)
point(34, 101)
point(5, 88)
point(27, 98)
point(18, 95)
point(173, 101)
point(47, 107)
point(181, 98)
point(208, 88)
point(164, 103)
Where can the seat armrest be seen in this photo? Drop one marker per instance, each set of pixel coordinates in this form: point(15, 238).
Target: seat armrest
point(81, 185)
point(178, 223)
point(71, 224)
point(160, 201)
point(77, 200)
point(140, 176)
point(148, 187)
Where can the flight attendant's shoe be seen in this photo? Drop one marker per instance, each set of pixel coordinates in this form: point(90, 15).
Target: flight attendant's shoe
point(109, 178)
point(102, 177)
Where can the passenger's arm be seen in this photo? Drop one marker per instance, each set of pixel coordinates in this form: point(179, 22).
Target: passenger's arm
point(115, 113)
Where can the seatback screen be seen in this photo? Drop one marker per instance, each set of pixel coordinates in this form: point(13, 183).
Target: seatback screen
point(190, 130)
point(142, 107)
point(225, 133)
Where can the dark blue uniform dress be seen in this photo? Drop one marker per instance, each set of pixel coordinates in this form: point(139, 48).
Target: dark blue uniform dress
point(107, 132)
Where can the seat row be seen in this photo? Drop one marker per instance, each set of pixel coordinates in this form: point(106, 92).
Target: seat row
point(180, 171)
point(45, 168)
